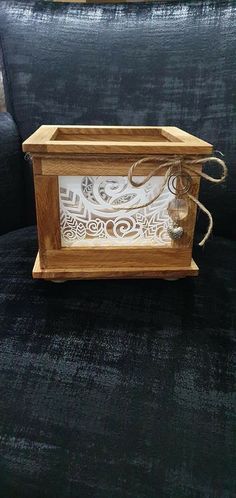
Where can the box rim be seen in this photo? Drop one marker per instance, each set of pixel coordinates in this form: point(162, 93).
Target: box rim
point(41, 141)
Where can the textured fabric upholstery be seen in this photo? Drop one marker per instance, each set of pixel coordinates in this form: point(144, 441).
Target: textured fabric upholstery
point(169, 63)
point(117, 388)
point(12, 188)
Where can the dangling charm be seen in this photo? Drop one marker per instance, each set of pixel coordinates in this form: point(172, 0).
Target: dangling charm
point(177, 210)
point(174, 231)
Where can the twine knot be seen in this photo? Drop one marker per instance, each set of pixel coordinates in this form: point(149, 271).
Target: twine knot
point(180, 166)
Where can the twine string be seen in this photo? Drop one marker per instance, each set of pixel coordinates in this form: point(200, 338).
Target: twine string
point(210, 219)
point(184, 166)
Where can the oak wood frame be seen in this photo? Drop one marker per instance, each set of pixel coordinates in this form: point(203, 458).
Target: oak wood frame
point(175, 141)
point(56, 262)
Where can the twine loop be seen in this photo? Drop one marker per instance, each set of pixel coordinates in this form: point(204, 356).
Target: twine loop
point(179, 167)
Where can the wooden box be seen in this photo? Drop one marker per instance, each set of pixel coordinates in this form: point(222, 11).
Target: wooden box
point(88, 216)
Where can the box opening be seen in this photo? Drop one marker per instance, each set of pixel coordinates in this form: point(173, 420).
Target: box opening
point(112, 135)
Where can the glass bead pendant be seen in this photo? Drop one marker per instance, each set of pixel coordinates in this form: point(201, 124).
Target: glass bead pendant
point(178, 209)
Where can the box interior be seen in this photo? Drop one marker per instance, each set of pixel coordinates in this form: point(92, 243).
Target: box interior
point(113, 135)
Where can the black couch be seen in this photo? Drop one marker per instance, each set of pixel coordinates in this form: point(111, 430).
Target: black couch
point(117, 389)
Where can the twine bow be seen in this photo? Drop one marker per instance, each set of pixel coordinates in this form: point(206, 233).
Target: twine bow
point(182, 165)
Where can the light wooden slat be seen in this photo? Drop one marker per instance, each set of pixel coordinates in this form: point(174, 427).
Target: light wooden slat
point(104, 147)
point(106, 137)
point(87, 165)
point(96, 273)
point(37, 166)
point(96, 167)
point(111, 131)
point(42, 135)
point(184, 136)
point(116, 257)
point(115, 128)
point(47, 211)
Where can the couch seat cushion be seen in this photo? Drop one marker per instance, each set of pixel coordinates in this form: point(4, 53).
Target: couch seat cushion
point(116, 388)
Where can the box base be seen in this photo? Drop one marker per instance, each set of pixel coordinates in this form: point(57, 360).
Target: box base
point(168, 273)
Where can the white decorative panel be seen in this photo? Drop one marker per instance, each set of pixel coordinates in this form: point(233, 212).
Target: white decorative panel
point(93, 211)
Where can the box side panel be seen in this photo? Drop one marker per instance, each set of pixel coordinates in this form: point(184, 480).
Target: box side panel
point(48, 216)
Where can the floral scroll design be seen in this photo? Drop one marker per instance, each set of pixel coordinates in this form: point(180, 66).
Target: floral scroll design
point(89, 210)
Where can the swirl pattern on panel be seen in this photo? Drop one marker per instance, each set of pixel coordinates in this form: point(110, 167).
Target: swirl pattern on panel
point(91, 211)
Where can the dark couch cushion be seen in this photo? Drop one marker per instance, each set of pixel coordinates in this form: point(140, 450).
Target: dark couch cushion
point(12, 187)
point(170, 63)
point(117, 388)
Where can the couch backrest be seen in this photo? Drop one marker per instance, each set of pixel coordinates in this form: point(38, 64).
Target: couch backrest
point(167, 63)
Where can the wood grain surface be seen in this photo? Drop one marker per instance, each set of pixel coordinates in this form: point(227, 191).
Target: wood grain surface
point(48, 217)
point(114, 140)
point(93, 273)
